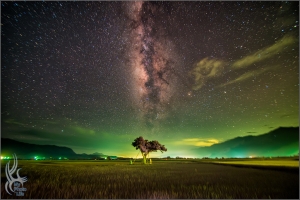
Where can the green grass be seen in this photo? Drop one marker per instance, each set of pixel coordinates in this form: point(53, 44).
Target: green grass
point(161, 180)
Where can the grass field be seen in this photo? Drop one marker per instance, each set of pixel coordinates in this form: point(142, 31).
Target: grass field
point(265, 163)
point(161, 180)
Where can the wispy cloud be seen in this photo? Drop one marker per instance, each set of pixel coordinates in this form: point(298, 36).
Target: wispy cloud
point(12, 121)
point(197, 142)
point(247, 75)
point(265, 53)
point(211, 68)
point(80, 130)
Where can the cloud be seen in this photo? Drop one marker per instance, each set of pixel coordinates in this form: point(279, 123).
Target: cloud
point(265, 53)
point(211, 68)
point(12, 121)
point(283, 116)
point(197, 142)
point(80, 130)
point(31, 135)
point(247, 75)
point(206, 69)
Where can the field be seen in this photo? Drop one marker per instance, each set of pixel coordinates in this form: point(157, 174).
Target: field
point(189, 179)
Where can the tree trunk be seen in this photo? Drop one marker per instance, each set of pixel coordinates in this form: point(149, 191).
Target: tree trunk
point(144, 158)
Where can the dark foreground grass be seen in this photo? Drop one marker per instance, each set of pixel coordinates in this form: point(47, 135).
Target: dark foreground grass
point(161, 180)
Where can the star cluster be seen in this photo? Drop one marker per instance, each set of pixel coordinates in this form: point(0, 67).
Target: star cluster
point(78, 74)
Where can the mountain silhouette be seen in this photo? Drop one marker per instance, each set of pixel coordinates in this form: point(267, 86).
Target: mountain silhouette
point(26, 150)
point(30, 151)
point(283, 141)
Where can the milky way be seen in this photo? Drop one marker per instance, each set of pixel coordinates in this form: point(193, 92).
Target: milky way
point(151, 60)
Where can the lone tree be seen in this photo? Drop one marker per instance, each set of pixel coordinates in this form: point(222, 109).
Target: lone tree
point(146, 147)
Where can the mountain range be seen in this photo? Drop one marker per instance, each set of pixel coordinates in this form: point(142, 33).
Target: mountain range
point(30, 151)
point(283, 141)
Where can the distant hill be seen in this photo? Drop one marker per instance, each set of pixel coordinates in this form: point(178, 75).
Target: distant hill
point(283, 141)
point(97, 154)
point(27, 151)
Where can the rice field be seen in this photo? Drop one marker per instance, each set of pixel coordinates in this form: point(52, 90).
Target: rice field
point(161, 180)
point(289, 163)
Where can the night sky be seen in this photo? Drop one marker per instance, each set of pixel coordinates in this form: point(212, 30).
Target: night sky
point(93, 76)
